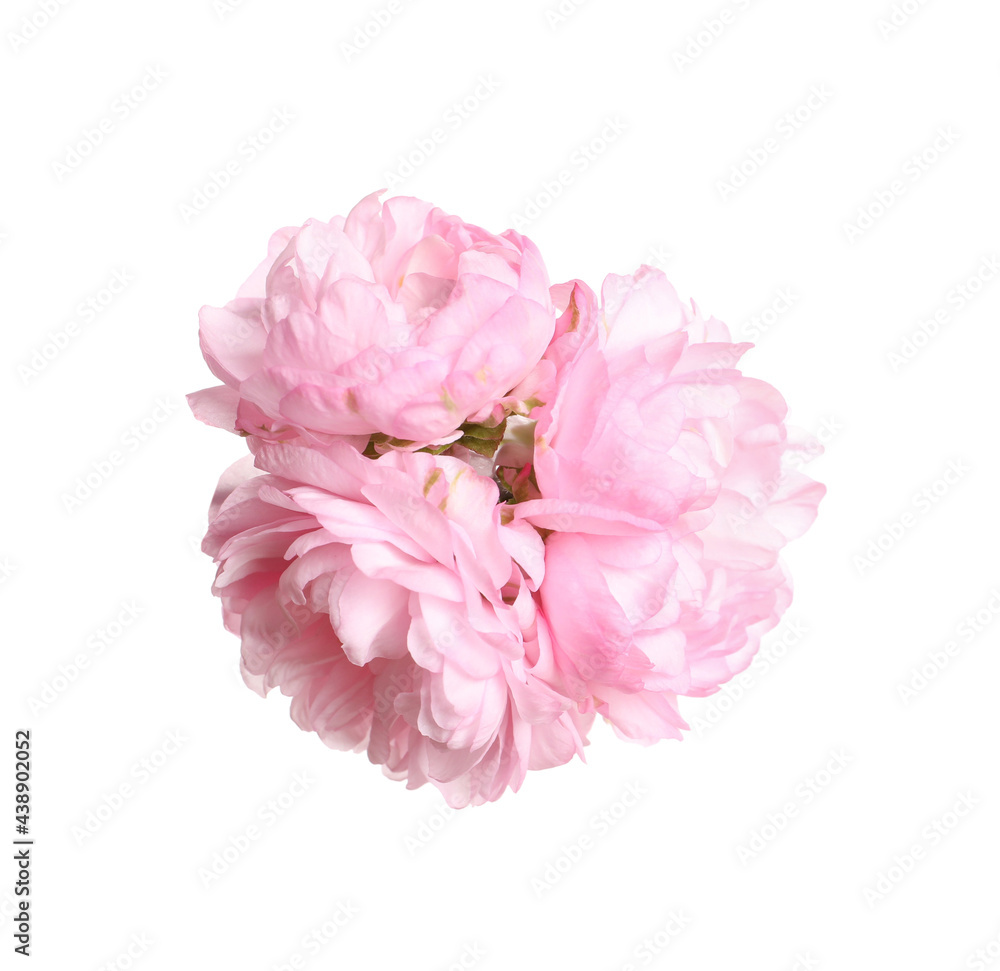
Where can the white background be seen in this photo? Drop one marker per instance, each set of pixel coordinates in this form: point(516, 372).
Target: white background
point(422, 891)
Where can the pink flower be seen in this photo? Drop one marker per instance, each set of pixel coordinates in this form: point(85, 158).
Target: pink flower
point(663, 474)
point(392, 600)
point(399, 321)
point(479, 511)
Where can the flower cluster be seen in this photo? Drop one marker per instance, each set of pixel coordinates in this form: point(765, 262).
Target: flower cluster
point(480, 509)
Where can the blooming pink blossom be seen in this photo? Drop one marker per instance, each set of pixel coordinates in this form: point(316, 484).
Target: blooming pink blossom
point(396, 606)
point(479, 510)
point(399, 321)
point(665, 489)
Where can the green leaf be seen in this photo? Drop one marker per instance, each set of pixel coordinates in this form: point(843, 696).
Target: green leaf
point(483, 439)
